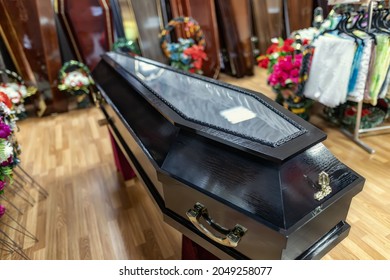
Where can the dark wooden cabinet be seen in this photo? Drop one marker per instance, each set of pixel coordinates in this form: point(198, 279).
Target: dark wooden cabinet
point(229, 168)
point(29, 32)
point(88, 27)
point(150, 22)
point(235, 30)
point(268, 21)
point(300, 14)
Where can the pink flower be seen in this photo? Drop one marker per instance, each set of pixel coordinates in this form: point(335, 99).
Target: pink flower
point(5, 130)
point(7, 162)
point(2, 210)
point(294, 73)
point(2, 185)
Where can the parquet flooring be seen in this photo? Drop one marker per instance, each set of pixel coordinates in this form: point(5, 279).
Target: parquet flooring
point(92, 214)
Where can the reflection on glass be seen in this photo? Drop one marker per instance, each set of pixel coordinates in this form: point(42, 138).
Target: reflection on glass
point(213, 105)
point(129, 22)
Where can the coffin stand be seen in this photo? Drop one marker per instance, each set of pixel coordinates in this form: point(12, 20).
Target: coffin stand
point(229, 168)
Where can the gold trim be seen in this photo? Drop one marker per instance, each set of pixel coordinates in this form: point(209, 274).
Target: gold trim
point(55, 5)
point(61, 12)
point(159, 12)
point(108, 22)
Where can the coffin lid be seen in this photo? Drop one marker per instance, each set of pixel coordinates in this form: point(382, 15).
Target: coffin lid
point(239, 118)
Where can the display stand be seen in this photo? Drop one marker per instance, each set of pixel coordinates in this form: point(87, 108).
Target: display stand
point(355, 136)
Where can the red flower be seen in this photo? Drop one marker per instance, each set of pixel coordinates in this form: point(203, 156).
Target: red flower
point(287, 48)
point(365, 112)
point(273, 48)
point(288, 42)
point(350, 112)
point(263, 61)
point(197, 55)
point(5, 99)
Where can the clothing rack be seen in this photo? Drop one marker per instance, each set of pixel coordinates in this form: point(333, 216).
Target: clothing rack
point(355, 136)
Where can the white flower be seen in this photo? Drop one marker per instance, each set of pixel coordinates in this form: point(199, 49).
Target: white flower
point(76, 78)
point(7, 150)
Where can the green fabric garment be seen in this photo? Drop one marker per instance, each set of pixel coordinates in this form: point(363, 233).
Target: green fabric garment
point(381, 66)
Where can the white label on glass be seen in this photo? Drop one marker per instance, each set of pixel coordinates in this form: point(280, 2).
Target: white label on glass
point(237, 114)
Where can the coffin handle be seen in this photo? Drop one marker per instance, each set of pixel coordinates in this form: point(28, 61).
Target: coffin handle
point(230, 238)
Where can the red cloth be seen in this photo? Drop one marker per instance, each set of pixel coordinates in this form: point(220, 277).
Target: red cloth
point(192, 251)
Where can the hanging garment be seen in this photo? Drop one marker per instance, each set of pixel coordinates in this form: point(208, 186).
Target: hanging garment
point(356, 87)
point(355, 68)
point(386, 86)
point(330, 70)
point(381, 66)
point(367, 97)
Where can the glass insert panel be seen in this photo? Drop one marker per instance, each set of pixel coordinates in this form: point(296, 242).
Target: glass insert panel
point(214, 105)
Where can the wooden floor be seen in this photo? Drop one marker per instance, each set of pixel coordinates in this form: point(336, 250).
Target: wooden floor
point(91, 214)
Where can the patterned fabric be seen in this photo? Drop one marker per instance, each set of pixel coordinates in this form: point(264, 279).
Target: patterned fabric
point(357, 87)
point(381, 66)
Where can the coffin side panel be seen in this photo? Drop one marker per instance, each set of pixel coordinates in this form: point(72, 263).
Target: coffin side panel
point(145, 131)
point(259, 242)
point(246, 183)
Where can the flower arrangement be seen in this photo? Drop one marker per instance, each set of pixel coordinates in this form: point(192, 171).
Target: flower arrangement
point(186, 54)
point(287, 62)
point(286, 72)
point(127, 46)
point(74, 77)
point(17, 91)
point(279, 49)
point(9, 147)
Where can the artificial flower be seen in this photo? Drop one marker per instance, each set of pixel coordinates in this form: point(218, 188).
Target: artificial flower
point(2, 185)
point(5, 130)
point(286, 72)
point(75, 79)
point(2, 210)
point(197, 54)
point(6, 151)
point(5, 99)
point(263, 61)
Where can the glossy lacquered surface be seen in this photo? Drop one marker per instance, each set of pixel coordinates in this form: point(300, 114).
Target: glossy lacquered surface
point(34, 48)
point(149, 19)
point(182, 165)
point(88, 26)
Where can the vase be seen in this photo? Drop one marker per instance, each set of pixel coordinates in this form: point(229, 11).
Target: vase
point(298, 105)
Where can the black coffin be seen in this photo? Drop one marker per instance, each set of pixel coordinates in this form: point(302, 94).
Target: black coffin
point(229, 168)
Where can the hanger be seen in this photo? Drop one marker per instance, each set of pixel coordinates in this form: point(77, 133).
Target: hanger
point(378, 22)
point(358, 25)
point(343, 28)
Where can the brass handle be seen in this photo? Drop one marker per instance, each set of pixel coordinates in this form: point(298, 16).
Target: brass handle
point(231, 237)
point(326, 189)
